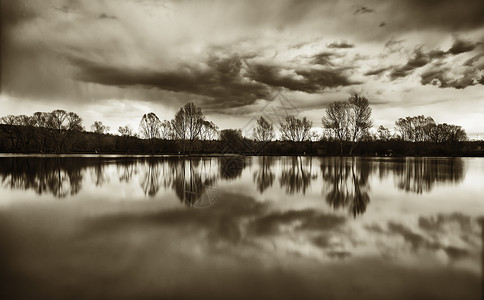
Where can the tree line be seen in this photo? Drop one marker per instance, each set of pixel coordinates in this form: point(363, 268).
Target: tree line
point(346, 124)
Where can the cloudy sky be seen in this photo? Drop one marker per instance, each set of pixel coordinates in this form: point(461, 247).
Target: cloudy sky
point(115, 60)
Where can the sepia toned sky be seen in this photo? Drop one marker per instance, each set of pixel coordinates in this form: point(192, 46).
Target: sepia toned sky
point(115, 60)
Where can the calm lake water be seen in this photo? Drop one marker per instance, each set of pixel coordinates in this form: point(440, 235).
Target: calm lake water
point(241, 227)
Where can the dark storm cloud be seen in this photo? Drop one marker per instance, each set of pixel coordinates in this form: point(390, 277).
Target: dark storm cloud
point(441, 77)
point(363, 10)
point(421, 58)
point(309, 80)
point(323, 58)
point(418, 60)
point(227, 78)
point(437, 14)
point(105, 16)
point(342, 44)
point(394, 45)
point(222, 79)
point(14, 13)
point(377, 71)
point(462, 46)
point(473, 60)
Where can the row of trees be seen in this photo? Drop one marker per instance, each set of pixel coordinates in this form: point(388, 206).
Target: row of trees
point(347, 123)
point(43, 127)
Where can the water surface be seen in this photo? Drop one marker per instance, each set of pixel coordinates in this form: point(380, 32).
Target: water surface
point(114, 227)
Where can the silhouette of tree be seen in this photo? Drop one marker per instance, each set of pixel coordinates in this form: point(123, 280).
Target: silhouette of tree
point(99, 128)
point(442, 133)
point(187, 124)
point(348, 121)
point(209, 131)
point(264, 131)
point(383, 133)
point(415, 129)
point(41, 123)
point(150, 126)
point(126, 130)
point(11, 129)
point(294, 129)
point(166, 130)
point(61, 124)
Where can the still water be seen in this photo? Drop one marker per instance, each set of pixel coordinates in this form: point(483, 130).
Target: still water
point(108, 227)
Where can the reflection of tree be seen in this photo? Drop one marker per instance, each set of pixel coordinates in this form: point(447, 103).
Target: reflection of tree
point(348, 183)
point(420, 174)
point(150, 182)
point(264, 177)
point(191, 179)
point(126, 169)
point(296, 176)
point(57, 176)
point(231, 167)
point(98, 174)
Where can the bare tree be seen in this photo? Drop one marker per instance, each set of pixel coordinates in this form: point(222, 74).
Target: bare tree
point(442, 133)
point(337, 122)
point(187, 124)
point(99, 128)
point(41, 124)
point(166, 130)
point(294, 129)
point(61, 125)
point(27, 131)
point(209, 131)
point(264, 131)
point(150, 126)
point(415, 129)
point(10, 122)
point(383, 133)
point(348, 121)
point(361, 120)
point(126, 130)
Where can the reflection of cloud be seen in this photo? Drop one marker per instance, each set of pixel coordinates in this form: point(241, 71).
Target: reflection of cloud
point(301, 220)
point(457, 235)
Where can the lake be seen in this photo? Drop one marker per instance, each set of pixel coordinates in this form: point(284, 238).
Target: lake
point(231, 227)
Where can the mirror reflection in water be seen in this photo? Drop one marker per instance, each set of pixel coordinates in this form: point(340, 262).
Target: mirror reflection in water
point(261, 227)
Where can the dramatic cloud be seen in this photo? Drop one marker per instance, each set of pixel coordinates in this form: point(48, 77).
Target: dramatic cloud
point(219, 78)
point(437, 14)
point(162, 54)
point(340, 45)
point(377, 71)
point(418, 60)
point(461, 46)
point(447, 78)
point(363, 10)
